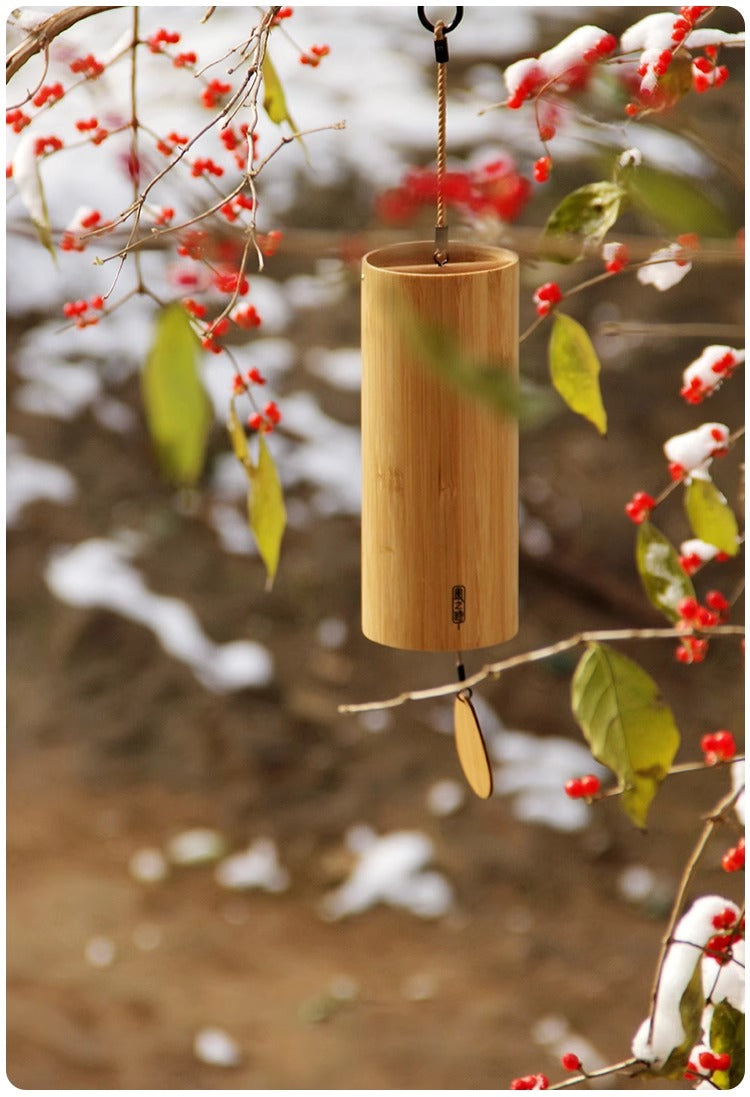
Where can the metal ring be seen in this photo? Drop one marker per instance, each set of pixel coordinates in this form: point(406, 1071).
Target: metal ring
point(430, 26)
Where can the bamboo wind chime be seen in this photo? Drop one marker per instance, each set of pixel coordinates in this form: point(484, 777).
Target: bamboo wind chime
point(439, 466)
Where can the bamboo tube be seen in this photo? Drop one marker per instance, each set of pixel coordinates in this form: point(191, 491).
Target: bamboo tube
point(439, 466)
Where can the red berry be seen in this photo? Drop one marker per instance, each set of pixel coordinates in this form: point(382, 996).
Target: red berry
point(256, 421)
point(590, 785)
point(574, 788)
point(542, 169)
point(722, 1061)
point(707, 1060)
point(570, 1061)
point(255, 376)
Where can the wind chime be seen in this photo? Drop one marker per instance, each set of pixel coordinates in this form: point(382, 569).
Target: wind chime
point(439, 466)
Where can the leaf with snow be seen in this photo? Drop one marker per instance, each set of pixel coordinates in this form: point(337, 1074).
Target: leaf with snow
point(663, 578)
point(728, 1036)
point(589, 212)
point(28, 181)
point(266, 510)
point(627, 725)
point(710, 516)
point(177, 407)
point(691, 1008)
point(574, 369)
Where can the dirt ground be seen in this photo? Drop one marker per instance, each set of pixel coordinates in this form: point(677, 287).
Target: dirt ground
point(113, 747)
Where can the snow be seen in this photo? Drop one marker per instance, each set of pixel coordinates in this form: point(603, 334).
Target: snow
point(340, 367)
point(97, 573)
point(693, 450)
point(695, 547)
point(258, 866)
point(701, 369)
point(691, 934)
point(390, 869)
point(196, 846)
point(216, 1047)
point(148, 866)
point(446, 798)
point(28, 479)
point(662, 270)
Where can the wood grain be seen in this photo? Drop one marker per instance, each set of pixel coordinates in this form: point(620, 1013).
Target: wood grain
point(439, 467)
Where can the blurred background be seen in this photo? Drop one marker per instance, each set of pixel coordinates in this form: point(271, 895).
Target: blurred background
point(214, 879)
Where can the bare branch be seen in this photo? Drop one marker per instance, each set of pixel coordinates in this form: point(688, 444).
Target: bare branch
point(43, 33)
point(494, 670)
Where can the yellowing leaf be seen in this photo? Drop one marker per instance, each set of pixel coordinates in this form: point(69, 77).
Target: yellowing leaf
point(590, 212)
point(238, 437)
point(658, 563)
point(728, 1036)
point(710, 516)
point(266, 510)
point(626, 724)
point(177, 408)
point(274, 100)
point(574, 369)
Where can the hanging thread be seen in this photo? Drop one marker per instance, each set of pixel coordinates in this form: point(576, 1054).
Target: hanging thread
point(440, 255)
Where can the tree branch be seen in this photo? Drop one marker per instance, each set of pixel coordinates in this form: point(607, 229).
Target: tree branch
point(43, 33)
point(494, 670)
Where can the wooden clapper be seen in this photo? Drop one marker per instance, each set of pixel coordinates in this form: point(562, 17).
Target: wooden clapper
point(439, 464)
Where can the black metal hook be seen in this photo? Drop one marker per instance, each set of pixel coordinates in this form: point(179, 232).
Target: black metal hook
point(431, 27)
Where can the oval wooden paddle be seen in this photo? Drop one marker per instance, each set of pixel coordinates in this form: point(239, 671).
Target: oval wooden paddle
point(472, 752)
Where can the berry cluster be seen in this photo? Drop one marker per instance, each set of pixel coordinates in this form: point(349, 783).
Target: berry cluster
point(88, 66)
point(640, 507)
point(161, 38)
point(314, 56)
point(214, 92)
point(48, 93)
point(16, 119)
point(568, 66)
point(530, 1081)
point(266, 422)
point(496, 188)
point(546, 297)
point(703, 376)
point(80, 311)
point(253, 377)
point(718, 746)
point(582, 788)
point(91, 125)
point(734, 859)
point(687, 19)
point(693, 614)
point(167, 146)
point(43, 145)
point(204, 165)
point(542, 168)
point(185, 60)
point(732, 930)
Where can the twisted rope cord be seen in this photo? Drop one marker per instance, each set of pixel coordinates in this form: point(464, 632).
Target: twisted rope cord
point(441, 255)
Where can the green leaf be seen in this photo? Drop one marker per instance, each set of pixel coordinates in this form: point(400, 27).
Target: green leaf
point(692, 1004)
point(266, 510)
point(238, 437)
point(728, 1035)
point(589, 212)
point(626, 724)
point(677, 204)
point(177, 407)
point(710, 516)
point(658, 563)
point(274, 100)
point(574, 368)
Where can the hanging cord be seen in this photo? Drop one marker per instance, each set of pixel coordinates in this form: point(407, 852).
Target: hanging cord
point(440, 254)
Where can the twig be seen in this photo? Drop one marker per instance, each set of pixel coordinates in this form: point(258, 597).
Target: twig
point(668, 331)
point(494, 670)
point(43, 33)
point(614, 1068)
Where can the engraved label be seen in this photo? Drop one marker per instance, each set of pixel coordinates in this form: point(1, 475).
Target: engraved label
point(459, 605)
